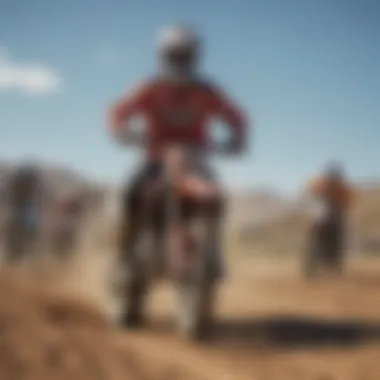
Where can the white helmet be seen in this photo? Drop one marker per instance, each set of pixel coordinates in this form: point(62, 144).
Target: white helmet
point(178, 48)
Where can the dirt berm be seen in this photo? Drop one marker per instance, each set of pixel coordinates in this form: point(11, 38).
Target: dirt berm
point(270, 325)
point(48, 336)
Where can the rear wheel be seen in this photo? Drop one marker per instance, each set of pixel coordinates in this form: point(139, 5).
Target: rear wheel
point(324, 251)
point(195, 309)
point(18, 242)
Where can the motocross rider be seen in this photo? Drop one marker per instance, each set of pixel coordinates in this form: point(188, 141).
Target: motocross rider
point(24, 190)
point(177, 104)
point(24, 195)
point(333, 188)
point(337, 195)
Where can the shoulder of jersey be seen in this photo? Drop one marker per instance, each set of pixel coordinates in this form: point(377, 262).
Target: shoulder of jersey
point(150, 82)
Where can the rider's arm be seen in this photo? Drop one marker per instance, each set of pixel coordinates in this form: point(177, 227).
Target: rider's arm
point(233, 116)
point(128, 106)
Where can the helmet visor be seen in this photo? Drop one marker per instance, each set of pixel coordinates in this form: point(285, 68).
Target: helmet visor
point(181, 58)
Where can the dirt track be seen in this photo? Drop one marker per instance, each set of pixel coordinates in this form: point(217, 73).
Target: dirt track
point(271, 325)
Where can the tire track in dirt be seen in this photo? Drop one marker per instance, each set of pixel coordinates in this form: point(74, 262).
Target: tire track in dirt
point(270, 325)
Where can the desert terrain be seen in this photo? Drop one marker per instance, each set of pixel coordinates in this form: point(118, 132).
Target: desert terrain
point(57, 321)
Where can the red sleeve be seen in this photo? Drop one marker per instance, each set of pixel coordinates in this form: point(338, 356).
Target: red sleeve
point(234, 117)
point(129, 105)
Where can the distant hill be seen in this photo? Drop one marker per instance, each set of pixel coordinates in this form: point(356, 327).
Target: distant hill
point(257, 207)
point(57, 177)
point(272, 223)
point(257, 218)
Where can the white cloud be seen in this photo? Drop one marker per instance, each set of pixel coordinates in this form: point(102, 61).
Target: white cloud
point(30, 78)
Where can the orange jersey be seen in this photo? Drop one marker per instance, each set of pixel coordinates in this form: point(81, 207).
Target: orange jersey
point(176, 113)
point(339, 195)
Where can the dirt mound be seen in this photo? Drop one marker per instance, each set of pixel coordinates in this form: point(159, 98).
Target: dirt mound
point(45, 336)
point(270, 325)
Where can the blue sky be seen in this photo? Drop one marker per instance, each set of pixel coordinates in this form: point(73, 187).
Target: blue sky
point(306, 71)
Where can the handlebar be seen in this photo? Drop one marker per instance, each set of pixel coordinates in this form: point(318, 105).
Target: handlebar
point(139, 140)
point(223, 149)
point(133, 139)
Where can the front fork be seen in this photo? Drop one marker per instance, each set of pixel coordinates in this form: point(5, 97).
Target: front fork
point(185, 233)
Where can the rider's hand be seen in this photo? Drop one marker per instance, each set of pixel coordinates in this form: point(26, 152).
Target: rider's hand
point(119, 136)
point(130, 138)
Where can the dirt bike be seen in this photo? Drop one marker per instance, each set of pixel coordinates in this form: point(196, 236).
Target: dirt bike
point(188, 257)
point(325, 250)
point(20, 236)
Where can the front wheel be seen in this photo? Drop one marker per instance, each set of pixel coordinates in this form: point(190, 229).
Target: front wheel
point(195, 309)
point(197, 289)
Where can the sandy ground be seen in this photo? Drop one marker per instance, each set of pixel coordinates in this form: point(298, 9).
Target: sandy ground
point(271, 325)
